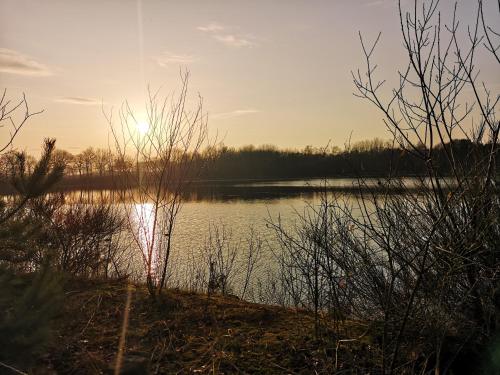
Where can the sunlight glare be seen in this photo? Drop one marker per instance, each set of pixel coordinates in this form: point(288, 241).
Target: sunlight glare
point(142, 127)
point(143, 217)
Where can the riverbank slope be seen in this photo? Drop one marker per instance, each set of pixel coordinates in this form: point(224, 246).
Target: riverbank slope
point(191, 333)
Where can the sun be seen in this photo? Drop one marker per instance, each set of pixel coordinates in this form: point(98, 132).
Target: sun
point(142, 127)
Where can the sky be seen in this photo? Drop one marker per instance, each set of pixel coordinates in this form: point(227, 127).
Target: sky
point(270, 72)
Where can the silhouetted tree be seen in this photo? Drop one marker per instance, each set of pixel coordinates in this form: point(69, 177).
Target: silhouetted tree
point(29, 299)
point(421, 267)
point(163, 166)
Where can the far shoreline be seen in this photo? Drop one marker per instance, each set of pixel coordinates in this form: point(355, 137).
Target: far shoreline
point(246, 189)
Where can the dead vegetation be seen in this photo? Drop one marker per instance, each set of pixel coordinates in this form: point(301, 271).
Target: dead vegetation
point(187, 333)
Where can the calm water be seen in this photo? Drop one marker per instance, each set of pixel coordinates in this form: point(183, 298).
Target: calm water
point(238, 215)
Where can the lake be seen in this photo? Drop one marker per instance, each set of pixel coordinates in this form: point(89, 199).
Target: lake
point(235, 213)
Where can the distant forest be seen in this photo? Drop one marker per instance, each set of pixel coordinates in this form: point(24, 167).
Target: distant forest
point(371, 158)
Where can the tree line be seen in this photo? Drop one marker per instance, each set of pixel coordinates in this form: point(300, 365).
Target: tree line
point(368, 158)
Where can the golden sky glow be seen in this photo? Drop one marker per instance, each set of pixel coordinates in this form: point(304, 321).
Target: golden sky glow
point(270, 72)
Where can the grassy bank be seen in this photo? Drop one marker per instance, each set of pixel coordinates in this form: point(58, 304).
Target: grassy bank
point(191, 333)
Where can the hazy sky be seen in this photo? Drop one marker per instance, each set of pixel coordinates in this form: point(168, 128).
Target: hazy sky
point(269, 71)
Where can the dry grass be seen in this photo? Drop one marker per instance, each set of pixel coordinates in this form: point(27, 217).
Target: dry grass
point(187, 333)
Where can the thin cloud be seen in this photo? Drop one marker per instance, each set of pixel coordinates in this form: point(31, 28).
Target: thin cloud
point(376, 3)
point(14, 62)
point(235, 41)
point(211, 27)
point(236, 113)
point(222, 35)
point(169, 59)
point(78, 100)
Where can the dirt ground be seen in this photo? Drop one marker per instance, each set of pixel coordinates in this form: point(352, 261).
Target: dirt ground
point(188, 333)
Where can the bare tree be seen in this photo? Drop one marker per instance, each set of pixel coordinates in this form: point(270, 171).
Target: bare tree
point(8, 120)
point(65, 158)
point(88, 159)
point(103, 160)
point(163, 153)
point(423, 266)
point(220, 253)
point(79, 164)
point(30, 178)
point(444, 232)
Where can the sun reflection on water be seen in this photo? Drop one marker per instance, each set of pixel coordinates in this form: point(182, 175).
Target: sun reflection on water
point(144, 217)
